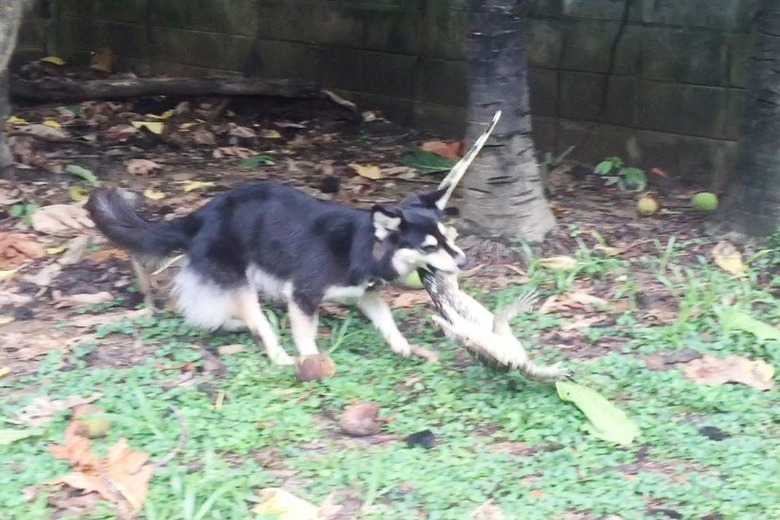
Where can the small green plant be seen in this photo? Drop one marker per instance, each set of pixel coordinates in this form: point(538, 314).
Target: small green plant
point(627, 178)
point(24, 212)
point(549, 163)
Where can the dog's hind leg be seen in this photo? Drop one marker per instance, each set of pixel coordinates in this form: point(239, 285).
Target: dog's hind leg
point(378, 311)
point(247, 307)
point(304, 327)
point(143, 278)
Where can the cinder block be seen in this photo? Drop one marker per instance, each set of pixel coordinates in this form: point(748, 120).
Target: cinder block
point(588, 45)
point(395, 31)
point(734, 114)
point(237, 51)
point(686, 56)
point(232, 17)
point(283, 59)
point(445, 34)
point(543, 85)
point(706, 161)
point(77, 33)
point(399, 110)
point(127, 11)
point(168, 45)
point(388, 74)
point(711, 14)
point(545, 43)
point(682, 109)
point(657, 149)
point(629, 53)
point(124, 39)
point(329, 25)
point(740, 50)
point(449, 121)
point(337, 67)
point(445, 82)
point(544, 133)
point(546, 8)
point(594, 9)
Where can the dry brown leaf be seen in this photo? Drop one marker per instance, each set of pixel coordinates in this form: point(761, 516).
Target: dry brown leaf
point(141, 166)
point(83, 299)
point(88, 321)
point(285, 505)
point(18, 248)
point(204, 137)
point(232, 151)
point(449, 149)
point(121, 477)
point(407, 300)
point(22, 148)
point(728, 258)
point(731, 369)
point(120, 133)
point(61, 219)
point(75, 250)
point(487, 511)
point(584, 298)
point(565, 263)
point(582, 323)
point(107, 254)
point(228, 350)
point(103, 60)
point(609, 250)
point(43, 409)
point(368, 171)
point(44, 132)
point(241, 131)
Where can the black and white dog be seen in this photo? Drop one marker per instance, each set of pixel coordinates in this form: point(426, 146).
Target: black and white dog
point(273, 239)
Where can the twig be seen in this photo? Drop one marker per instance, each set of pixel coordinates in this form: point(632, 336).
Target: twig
point(179, 444)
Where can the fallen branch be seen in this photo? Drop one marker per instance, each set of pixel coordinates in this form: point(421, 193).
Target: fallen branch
point(68, 90)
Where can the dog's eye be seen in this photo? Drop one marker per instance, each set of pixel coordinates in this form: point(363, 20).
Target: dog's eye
point(430, 249)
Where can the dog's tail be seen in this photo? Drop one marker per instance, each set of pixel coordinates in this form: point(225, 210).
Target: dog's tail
point(114, 214)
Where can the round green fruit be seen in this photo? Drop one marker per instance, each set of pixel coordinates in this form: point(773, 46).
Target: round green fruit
point(89, 424)
point(413, 280)
point(647, 206)
point(705, 201)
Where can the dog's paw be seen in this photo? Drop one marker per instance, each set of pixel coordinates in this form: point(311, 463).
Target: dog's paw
point(428, 355)
point(282, 359)
point(402, 349)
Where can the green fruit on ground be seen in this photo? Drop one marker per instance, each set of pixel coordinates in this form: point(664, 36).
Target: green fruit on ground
point(413, 280)
point(705, 201)
point(89, 424)
point(647, 206)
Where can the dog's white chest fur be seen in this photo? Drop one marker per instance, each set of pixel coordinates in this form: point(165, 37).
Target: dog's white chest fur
point(279, 289)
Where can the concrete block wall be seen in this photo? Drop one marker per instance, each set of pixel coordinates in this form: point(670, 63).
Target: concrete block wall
point(660, 84)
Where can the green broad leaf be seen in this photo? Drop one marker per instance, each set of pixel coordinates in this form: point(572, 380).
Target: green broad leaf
point(634, 179)
point(82, 173)
point(75, 109)
point(736, 320)
point(10, 436)
point(257, 160)
point(427, 162)
point(603, 168)
point(608, 422)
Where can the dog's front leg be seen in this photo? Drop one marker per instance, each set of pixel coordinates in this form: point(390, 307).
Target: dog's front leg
point(377, 310)
point(249, 310)
point(303, 322)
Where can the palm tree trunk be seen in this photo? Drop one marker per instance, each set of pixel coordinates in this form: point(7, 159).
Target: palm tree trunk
point(502, 193)
point(752, 203)
point(11, 12)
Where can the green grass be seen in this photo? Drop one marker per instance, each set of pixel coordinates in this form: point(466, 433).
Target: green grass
point(498, 436)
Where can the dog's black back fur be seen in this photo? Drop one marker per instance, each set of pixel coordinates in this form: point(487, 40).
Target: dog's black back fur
point(314, 243)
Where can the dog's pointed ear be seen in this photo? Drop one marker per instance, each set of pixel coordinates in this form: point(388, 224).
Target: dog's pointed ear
point(386, 221)
point(431, 198)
